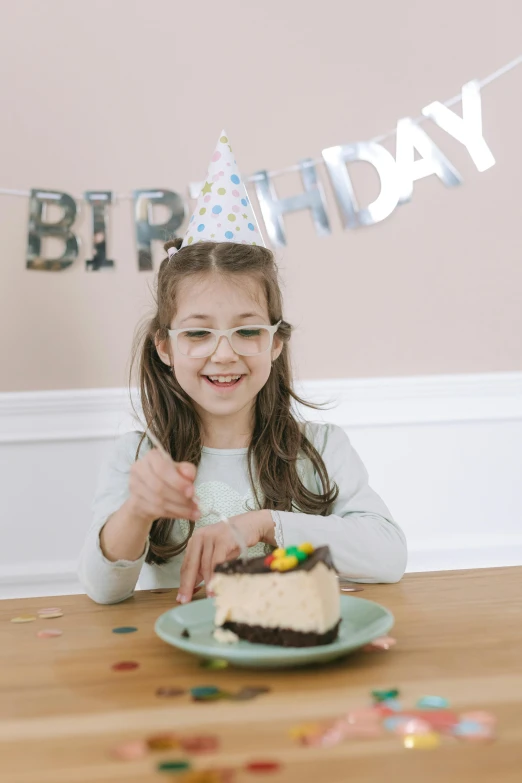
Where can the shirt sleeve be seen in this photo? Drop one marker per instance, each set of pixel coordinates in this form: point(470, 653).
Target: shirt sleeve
point(365, 542)
point(104, 581)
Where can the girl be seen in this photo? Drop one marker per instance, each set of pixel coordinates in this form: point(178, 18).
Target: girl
point(216, 390)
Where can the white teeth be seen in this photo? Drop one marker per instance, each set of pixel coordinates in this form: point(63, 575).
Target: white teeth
point(224, 378)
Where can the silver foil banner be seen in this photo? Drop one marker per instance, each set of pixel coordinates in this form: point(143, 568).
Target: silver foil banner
point(397, 176)
point(146, 229)
point(40, 229)
point(352, 215)
point(99, 201)
point(466, 129)
point(273, 208)
point(411, 137)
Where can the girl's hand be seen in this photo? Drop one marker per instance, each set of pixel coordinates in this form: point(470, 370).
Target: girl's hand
point(162, 488)
point(214, 544)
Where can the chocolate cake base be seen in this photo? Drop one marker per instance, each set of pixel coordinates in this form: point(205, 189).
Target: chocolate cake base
point(283, 637)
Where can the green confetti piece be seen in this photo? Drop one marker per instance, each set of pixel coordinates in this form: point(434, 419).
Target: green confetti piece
point(214, 663)
point(173, 766)
point(385, 695)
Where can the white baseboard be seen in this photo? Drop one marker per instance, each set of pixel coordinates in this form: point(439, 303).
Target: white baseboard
point(443, 451)
point(463, 552)
point(24, 580)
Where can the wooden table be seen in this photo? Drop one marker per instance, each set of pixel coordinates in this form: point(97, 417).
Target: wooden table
point(62, 710)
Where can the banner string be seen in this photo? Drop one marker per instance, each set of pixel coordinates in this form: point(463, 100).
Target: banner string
point(278, 172)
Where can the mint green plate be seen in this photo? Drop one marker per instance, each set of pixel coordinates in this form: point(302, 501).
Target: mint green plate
point(362, 621)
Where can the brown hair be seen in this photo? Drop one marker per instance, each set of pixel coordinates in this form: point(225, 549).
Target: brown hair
point(278, 439)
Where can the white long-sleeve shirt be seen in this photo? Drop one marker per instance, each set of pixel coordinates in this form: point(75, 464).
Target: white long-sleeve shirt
point(366, 544)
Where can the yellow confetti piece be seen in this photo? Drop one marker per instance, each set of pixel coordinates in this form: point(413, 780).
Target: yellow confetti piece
point(422, 741)
point(303, 730)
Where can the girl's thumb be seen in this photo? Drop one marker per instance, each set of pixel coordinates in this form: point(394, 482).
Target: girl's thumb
point(187, 470)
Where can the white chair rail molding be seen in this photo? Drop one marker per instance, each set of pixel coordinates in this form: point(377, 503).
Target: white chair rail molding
point(444, 451)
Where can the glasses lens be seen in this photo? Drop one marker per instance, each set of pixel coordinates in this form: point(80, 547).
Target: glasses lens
point(196, 343)
point(248, 342)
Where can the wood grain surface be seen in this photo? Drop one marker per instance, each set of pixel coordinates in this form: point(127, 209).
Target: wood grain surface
point(63, 708)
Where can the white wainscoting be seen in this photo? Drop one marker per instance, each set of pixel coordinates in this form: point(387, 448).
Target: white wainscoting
point(445, 452)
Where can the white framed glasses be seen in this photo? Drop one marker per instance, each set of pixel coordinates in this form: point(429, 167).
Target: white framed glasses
point(247, 340)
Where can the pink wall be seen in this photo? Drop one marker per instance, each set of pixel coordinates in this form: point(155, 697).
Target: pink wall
point(120, 95)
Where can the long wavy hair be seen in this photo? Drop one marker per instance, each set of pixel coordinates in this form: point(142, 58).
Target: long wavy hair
point(278, 439)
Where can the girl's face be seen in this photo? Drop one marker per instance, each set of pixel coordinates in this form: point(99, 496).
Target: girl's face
point(219, 302)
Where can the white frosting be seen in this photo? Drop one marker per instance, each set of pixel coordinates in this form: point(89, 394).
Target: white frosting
point(224, 636)
point(306, 601)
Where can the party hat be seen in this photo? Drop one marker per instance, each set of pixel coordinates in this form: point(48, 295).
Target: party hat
point(223, 211)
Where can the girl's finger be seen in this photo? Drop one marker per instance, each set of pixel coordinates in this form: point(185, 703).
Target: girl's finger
point(207, 556)
point(162, 490)
point(199, 583)
point(190, 512)
point(176, 510)
point(180, 509)
point(187, 470)
point(168, 472)
point(221, 553)
point(190, 569)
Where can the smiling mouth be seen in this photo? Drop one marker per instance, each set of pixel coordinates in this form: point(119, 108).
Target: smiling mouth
point(224, 381)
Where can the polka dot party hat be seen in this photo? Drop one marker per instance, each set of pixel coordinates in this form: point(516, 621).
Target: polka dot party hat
point(223, 212)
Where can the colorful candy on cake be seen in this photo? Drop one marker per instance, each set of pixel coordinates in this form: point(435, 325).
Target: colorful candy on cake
point(290, 598)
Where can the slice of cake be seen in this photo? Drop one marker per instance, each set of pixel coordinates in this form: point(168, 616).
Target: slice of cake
point(290, 598)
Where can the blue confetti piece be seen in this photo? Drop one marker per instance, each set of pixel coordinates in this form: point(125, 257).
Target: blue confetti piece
point(467, 728)
point(391, 723)
point(204, 690)
point(392, 704)
point(433, 703)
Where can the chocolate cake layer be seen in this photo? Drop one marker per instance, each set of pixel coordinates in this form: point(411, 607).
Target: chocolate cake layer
point(283, 637)
point(256, 565)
